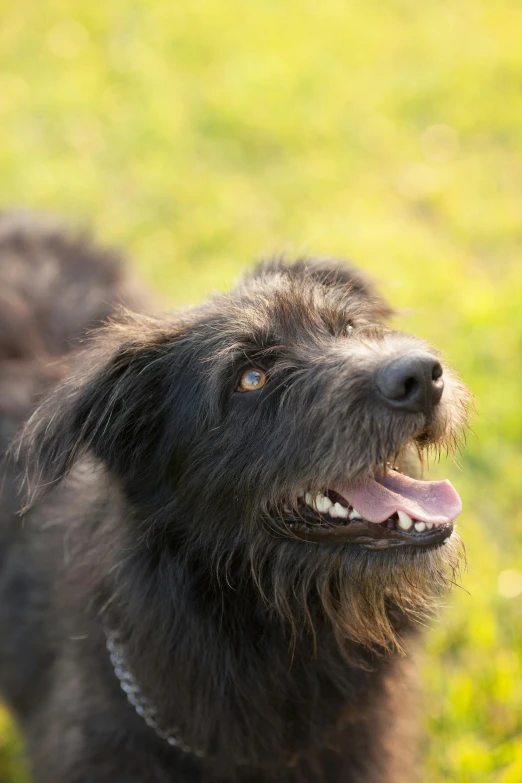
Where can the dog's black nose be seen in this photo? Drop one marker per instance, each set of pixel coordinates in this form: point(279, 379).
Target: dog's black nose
point(412, 382)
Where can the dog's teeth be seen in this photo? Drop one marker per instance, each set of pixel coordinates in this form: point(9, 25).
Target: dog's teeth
point(405, 521)
point(420, 526)
point(338, 511)
point(429, 525)
point(355, 514)
point(322, 503)
point(309, 499)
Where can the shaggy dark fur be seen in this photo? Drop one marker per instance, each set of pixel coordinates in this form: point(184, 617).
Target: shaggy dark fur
point(278, 659)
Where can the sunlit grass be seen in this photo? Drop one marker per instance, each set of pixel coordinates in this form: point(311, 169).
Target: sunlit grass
point(12, 768)
point(200, 135)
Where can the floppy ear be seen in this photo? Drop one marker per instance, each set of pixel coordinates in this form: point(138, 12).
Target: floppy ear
point(113, 409)
point(330, 272)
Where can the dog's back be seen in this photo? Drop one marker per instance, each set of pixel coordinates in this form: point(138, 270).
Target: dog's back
point(54, 288)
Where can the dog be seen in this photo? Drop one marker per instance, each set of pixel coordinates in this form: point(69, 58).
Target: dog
point(218, 562)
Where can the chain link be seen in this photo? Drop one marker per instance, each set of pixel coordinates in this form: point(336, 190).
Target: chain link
point(144, 708)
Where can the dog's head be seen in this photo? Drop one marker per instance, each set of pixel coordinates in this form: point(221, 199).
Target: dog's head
point(276, 430)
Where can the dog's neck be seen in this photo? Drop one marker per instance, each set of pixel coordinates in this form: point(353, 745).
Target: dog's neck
point(228, 674)
point(145, 708)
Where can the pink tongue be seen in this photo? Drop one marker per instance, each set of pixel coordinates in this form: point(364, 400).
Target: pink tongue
point(426, 501)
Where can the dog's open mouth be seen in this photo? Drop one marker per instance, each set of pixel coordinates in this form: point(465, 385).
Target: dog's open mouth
point(388, 511)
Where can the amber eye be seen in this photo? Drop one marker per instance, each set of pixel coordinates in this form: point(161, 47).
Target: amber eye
point(251, 380)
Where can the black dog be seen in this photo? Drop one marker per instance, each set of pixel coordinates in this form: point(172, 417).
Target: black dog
point(223, 586)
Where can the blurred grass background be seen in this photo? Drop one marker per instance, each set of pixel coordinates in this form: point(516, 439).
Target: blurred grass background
point(199, 135)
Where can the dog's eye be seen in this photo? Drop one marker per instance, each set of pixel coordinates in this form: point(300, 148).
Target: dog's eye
point(251, 380)
point(347, 328)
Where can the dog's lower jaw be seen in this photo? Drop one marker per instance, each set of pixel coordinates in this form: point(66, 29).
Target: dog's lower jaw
point(367, 597)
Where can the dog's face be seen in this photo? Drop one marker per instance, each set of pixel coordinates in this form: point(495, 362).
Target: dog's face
point(277, 430)
point(313, 399)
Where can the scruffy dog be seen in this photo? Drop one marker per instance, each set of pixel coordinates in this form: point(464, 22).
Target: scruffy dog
point(225, 548)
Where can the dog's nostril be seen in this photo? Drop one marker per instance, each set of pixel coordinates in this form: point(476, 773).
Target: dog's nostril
point(408, 387)
point(437, 371)
point(412, 382)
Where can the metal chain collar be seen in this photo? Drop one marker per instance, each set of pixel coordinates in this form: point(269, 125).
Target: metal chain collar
point(144, 708)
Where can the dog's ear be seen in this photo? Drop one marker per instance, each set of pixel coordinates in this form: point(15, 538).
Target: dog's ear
point(330, 272)
point(113, 407)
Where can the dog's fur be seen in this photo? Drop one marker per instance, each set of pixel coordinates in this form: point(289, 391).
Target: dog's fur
point(280, 660)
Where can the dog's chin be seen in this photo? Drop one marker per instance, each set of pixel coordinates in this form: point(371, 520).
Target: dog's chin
point(371, 596)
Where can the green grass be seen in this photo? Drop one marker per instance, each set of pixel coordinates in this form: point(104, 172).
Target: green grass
point(202, 134)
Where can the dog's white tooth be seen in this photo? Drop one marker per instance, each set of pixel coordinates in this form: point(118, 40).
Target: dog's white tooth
point(333, 511)
point(355, 514)
point(309, 499)
point(405, 521)
point(420, 526)
point(322, 503)
point(429, 525)
point(341, 510)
